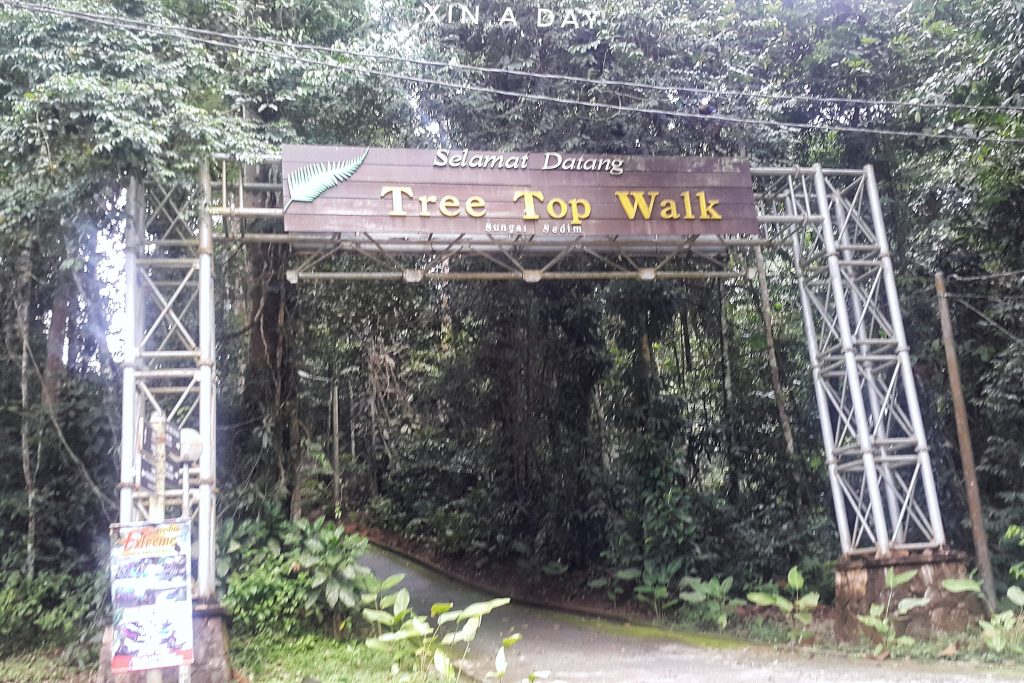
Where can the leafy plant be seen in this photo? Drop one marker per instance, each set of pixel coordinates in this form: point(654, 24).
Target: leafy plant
point(49, 609)
point(290, 577)
point(881, 619)
point(615, 584)
point(798, 609)
point(710, 598)
point(411, 636)
point(328, 555)
point(653, 587)
point(1003, 631)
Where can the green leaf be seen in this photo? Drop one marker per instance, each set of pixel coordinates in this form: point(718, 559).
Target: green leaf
point(378, 617)
point(874, 623)
point(440, 608)
point(808, 601)
point(1015, 595)
point(804, 618)
point(783, 604)
point(451, 615)
point(961, 585)
point(763, 599)
point(875, 610)
point(795, 579)
point(332, 592)
point(401, 601)
point(907, 604)
point(443, 664)
point(391, 582)
point(628, 574)
point(511, 640)
point(307, 183)
point(894, 580)
point(693, 597)
point(479, 609)
point(500, 663)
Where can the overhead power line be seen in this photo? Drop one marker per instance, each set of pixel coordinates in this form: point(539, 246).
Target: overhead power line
point(179, 33)
point(780, 97)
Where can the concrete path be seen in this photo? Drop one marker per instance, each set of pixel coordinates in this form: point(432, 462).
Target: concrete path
point(575, 649)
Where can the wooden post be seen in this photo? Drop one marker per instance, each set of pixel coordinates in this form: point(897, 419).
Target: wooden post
point(963, 433)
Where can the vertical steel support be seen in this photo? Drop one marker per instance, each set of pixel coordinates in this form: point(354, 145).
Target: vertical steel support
point(860, 306)
point(903, 358)
point(838, 500)
point(132, 229)
point(207, 398)
point(852, 371)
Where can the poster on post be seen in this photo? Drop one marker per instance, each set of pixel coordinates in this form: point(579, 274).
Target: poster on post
point(151, 591)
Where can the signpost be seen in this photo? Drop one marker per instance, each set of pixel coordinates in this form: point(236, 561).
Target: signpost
point(151, 591)
point(510, 194)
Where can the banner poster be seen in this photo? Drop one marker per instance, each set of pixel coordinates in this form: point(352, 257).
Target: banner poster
point(151, 590)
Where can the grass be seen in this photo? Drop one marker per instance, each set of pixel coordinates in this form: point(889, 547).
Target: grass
point(43, 666)
point(323, 659)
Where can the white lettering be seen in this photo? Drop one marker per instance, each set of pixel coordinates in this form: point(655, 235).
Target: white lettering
point(508, 18)
point(545, 17)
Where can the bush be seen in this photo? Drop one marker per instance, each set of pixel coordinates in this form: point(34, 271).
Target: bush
point(290, 577)
point(268, 599)
point(51, 609)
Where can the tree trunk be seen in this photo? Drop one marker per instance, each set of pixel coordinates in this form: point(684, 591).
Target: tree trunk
point(28, 466)
point(728, 418)
point(55, 339)
point(773, 362)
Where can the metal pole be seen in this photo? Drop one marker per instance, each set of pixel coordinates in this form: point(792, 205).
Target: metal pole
point(158, 423)
point(136, 214)
point(963, 433)
point(852, 371)
point(336, 452)
point(206, 398)
point(903, 358)
point(824, 419)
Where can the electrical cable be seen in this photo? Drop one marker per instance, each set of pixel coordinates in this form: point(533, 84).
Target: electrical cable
point(988, 276)
point(784, 126)
point(538, 75)
point(999, 327)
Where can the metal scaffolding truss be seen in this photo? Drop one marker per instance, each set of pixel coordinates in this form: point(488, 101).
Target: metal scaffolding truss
point(829, 222)
point(169, 358)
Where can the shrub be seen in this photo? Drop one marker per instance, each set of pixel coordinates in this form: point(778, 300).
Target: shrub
point(52, 608)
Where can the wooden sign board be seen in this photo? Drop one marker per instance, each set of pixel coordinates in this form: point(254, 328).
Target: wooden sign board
point(509, 194)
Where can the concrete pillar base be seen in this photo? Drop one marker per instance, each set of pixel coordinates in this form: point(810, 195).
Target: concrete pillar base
point(860, 581)
point(211, 663)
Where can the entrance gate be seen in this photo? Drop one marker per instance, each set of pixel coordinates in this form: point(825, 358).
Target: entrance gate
point(829, 221)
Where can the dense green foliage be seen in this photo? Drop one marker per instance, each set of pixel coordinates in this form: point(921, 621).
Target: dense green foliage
point(570, 428)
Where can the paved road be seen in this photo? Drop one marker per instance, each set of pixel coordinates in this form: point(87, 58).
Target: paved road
point(588, 650)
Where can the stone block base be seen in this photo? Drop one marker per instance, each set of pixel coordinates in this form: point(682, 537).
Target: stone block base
point(860, 581)
point(210, 653)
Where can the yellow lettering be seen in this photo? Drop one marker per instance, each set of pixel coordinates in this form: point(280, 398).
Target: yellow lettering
point(687, 206)
point(557, 208)
point(636, 201)
point(426, 200)
point(669, 210)
point(396, 198)
point(476, 207)
point(707, 208)
point(580, 210)
point(449, 206)
point(529, 209)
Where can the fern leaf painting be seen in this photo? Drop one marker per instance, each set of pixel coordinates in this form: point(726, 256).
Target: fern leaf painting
point(309, 182)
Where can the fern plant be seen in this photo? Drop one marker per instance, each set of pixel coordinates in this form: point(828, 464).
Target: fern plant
point(306, 184)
